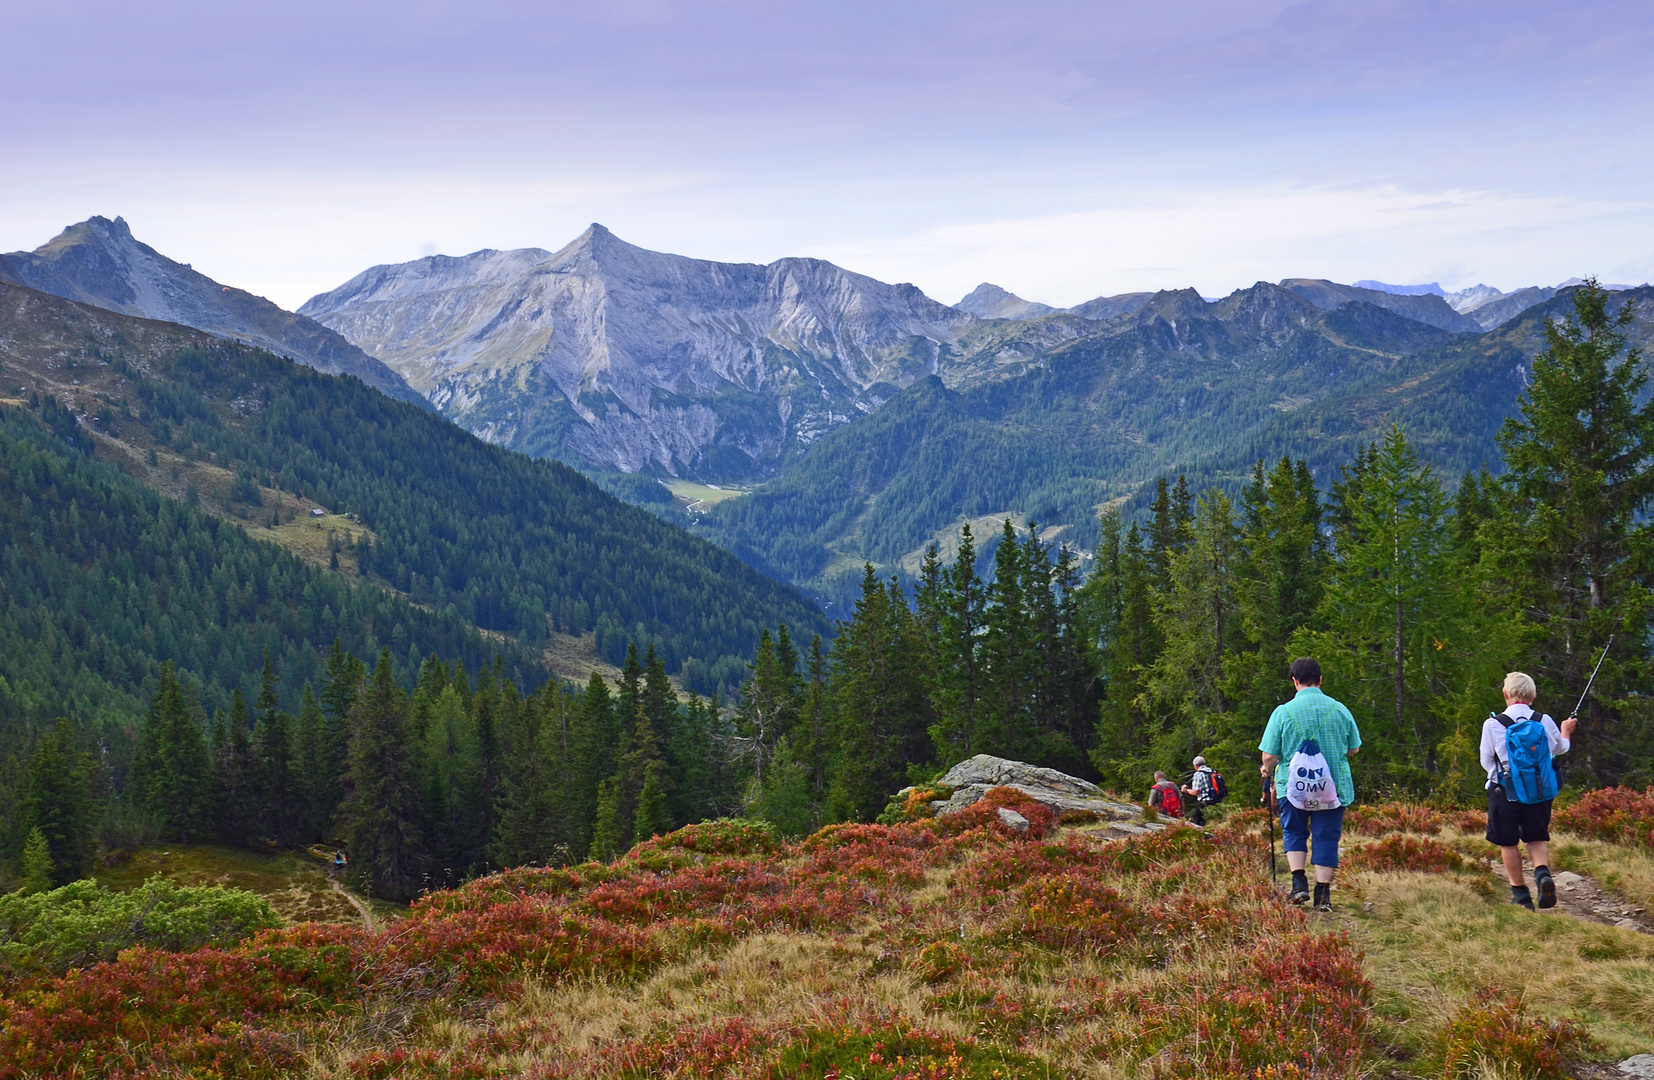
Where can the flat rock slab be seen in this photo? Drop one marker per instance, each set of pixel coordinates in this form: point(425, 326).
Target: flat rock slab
point(972, 778)
point(1640, 1066)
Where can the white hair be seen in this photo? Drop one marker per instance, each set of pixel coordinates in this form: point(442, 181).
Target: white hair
point(1520, 687)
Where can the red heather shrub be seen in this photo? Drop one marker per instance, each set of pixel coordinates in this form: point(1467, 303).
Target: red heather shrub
point(487, 951)
point(1492, 1027)
point(1400, 852)
point(155, 1012)
point(898, 1053)
point(1468, 821)
point(645, 898)
point(1376, 820)
point(1300, 1005)
point(710, 1051)
point(1074, 912)
point(1620, 814)
point(543, 881)
point(997, 871)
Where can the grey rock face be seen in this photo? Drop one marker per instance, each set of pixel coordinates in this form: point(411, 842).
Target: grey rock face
point(629, 358)
point(1111, 307)
point(1430, 309)
point(99, 262)
point(972, 778)
point(992, 302)
point(1640, 1066)
point(1501, 309)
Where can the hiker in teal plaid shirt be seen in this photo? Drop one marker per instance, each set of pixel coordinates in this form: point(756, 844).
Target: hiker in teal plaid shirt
point(1311, 715)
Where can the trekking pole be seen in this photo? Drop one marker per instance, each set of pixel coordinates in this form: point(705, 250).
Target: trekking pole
point(1593, 677)
point(1269, 809)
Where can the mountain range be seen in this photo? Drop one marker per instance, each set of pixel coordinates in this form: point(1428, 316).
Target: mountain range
point(866, 418)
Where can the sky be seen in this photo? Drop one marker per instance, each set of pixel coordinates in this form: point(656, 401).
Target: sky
point(1062, 150)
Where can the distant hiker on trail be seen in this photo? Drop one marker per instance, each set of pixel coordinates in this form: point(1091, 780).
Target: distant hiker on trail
point(1517, 747)
point(1163, 796)
point(1205, 788)
point(1318, 736)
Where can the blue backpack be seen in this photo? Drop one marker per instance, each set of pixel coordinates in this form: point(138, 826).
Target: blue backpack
point(1530, 777)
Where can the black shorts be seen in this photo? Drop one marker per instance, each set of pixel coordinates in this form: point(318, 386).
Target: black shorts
point(1508, 822)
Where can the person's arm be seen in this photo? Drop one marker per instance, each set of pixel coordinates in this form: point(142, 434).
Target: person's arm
point(1352, 751)
point(1561, 738)
point(1489, 753)
point(1270, 745)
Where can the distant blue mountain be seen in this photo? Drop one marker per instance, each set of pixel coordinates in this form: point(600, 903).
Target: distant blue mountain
point(1432, 289)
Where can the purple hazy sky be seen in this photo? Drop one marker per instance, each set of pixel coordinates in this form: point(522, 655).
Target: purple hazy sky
point(1062, 150)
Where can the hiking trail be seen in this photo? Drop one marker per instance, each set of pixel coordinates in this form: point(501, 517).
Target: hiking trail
point(1584, 898)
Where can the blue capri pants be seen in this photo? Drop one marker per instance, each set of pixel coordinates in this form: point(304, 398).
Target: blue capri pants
point(1326, 827)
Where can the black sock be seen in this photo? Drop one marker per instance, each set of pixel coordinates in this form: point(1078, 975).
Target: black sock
point(1538, 870)
point(1299, 881)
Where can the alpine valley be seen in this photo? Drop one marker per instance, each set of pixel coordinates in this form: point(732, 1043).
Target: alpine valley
point(861, 421)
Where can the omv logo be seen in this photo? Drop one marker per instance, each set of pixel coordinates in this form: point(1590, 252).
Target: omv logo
point(1311, 774)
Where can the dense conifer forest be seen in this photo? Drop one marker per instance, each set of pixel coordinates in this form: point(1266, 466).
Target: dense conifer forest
point(1415, 595)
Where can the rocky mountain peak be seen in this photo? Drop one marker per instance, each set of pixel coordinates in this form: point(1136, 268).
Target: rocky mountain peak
point(628, 358)
point(99, 262)
point(989, 301)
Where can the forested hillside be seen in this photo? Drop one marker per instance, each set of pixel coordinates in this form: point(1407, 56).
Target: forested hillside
point(1415, 592)
point(514, 546)
point(1182, 386)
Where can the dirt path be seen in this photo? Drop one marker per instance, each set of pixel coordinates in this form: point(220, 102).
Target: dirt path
point(361, 909)
point(1584, 898)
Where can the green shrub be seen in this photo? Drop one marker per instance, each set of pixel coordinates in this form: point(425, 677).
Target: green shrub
point(1492, 1027)
point(83, 923)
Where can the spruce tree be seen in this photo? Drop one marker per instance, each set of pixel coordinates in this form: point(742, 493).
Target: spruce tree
point(1120, 596)
point(381, 818)
point(1399, 636)
point(1281, 573)
point(59, 802)
point(277, 786)
point(36, 867)
point(783, 797)
point(769, 702)
point(880, 708)
point(597, 745)
point(317, 767)
point(1572, 552)
point(812, 742)
point(952, 610)
point(171, 778)
point(235, 791)
point(1199, 622)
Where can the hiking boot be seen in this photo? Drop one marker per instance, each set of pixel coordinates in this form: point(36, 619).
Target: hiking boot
point(1299, 894)
point(1519, 896)
point(1323, 897)
point(1547, 886)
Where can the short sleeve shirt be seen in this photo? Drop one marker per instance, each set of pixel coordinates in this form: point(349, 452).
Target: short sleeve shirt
point(1313, 715)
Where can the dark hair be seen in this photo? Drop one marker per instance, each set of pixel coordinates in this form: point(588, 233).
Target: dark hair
point(1306, 671)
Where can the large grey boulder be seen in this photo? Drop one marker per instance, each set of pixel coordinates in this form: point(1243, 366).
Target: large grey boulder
point(971, 779)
